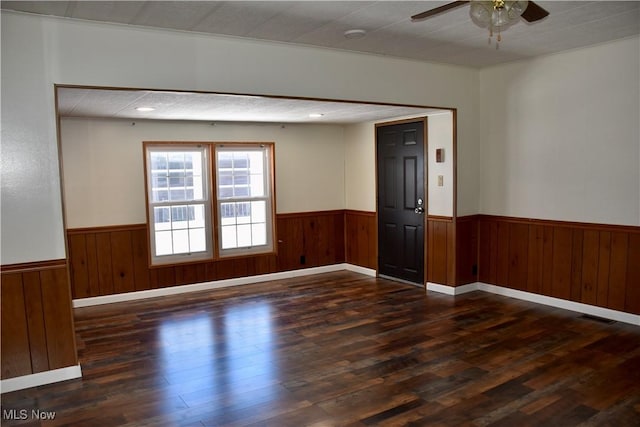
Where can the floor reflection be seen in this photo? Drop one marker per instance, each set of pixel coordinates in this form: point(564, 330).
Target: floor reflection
point(187, 355)
point(249, 333)
point(223, 359)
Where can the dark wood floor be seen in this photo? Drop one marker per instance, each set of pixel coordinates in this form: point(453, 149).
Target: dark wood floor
point(343, 349)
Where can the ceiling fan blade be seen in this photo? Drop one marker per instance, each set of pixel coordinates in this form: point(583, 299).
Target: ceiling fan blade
point(533, 13)
point(431, 12)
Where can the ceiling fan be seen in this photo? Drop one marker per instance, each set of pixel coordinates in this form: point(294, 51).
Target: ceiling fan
point(494, 14)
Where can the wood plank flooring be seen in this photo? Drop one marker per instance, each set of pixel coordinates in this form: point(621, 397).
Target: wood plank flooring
point(342, 349)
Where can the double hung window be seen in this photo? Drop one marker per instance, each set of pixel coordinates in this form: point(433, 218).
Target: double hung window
point(208, 201)
point(244, 199)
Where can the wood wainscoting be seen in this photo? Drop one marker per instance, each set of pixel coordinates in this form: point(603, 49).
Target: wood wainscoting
point(37, 319)
point(593, 264)
point(452, 250)
point(113, 260)
point(441, 250)
point(588, 263)
point(466, 250)
point(361, 238)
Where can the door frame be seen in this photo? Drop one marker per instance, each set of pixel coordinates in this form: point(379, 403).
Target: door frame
point(425, 158)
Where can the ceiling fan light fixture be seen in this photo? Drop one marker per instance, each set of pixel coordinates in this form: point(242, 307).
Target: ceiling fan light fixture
point(500, 17)
point(496, 14)
point(517, 8)
point(480, 12)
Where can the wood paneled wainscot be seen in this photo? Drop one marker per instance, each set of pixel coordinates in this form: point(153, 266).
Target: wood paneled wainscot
point(441, 239)
point(37, 320)
point(361, 238)
point(112, 260)
point(589, 263)
point(452, 250)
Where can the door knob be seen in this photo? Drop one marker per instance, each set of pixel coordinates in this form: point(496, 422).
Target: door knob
point(419, 210)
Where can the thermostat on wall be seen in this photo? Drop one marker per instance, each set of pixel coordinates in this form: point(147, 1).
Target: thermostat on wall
point(439, 155)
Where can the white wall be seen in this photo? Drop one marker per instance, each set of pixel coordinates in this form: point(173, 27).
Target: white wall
point(360, 167)
point(440, 135)
point(31, 209)
point(560, 136)
point(40, 51)
point(104, 170)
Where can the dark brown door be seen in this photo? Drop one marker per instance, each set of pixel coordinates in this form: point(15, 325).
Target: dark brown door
point(401, 200)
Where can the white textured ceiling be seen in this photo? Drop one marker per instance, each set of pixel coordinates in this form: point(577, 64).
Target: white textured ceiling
point(449, 38)
point(122, 104)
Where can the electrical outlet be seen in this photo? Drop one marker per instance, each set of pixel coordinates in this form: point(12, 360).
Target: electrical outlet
point(303, 259)
point(440, 180)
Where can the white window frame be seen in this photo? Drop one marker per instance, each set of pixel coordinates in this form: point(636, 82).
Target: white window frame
point(177, 258)
point(268, 197)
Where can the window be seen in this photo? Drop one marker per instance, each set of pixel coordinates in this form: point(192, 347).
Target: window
point(179, 205)
point(180, 201)
point(244, 199)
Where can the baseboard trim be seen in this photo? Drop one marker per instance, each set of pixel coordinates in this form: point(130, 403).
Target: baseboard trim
point(361, 270)
point(175, 290)
point(451, 290)
point(41, 378)
point(606, 313)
